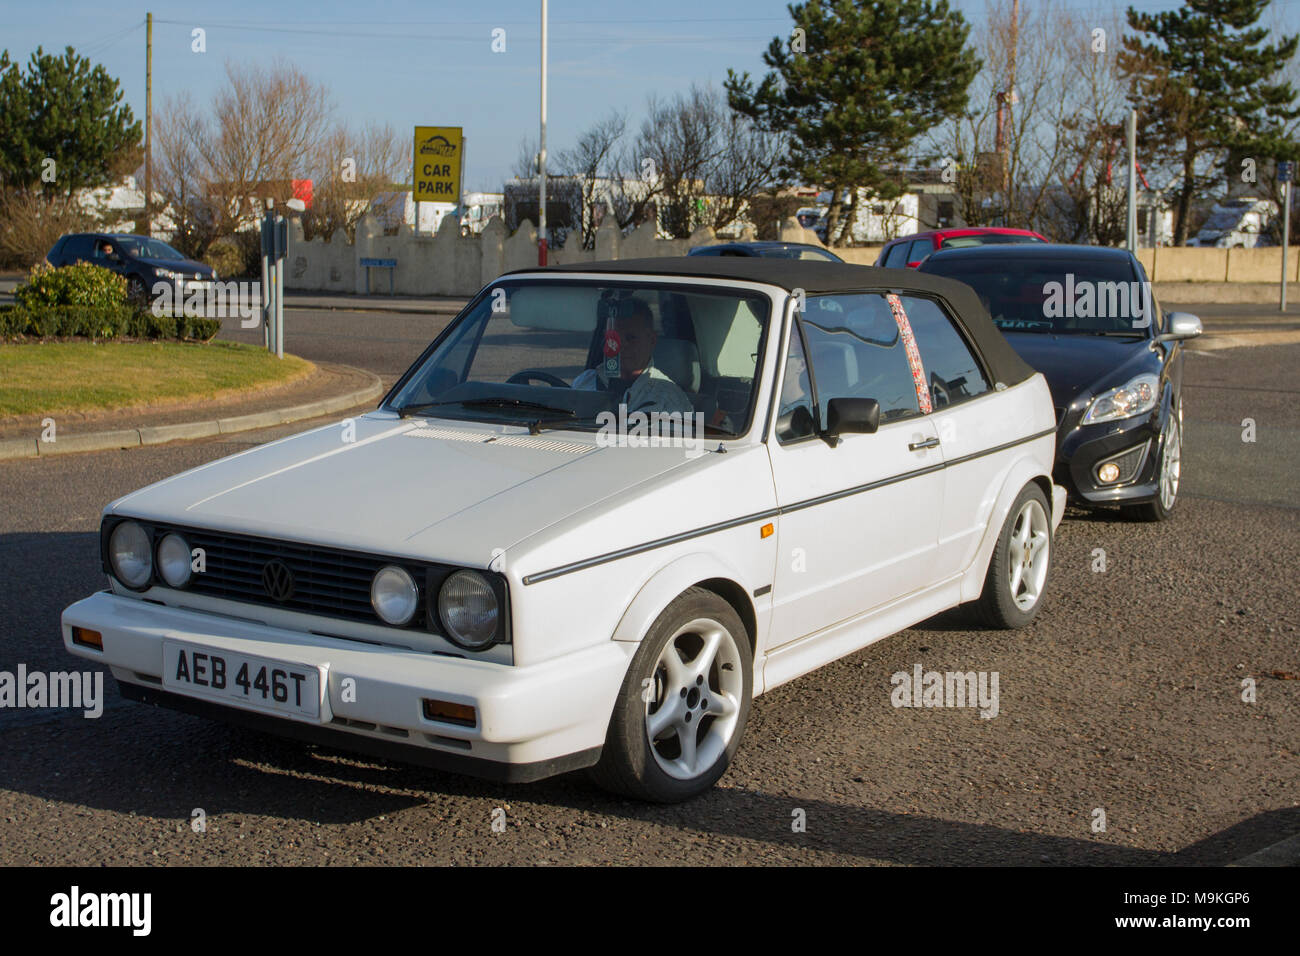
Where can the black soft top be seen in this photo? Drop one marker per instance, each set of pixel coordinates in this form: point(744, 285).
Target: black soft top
point(814, 277)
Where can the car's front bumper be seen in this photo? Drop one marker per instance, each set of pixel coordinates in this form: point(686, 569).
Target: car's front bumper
point(531, 722)
point(1082, 449)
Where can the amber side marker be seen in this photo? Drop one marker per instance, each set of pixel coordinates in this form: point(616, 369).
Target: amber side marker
point(87, 638)
point(767, 530)
point(449, 713)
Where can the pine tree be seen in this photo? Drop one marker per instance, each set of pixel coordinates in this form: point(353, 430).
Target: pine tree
point(1203, 82)
point(854, 85)
point(63, 110)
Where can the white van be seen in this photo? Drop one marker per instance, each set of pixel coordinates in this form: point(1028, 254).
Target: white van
point(1237, 224)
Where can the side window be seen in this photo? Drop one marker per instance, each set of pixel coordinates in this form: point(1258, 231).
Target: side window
point(951, 369)
point(856, 351)
point(896, 257)
point(78, 249)
point(794, 415)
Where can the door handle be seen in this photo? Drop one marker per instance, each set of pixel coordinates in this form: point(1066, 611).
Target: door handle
point(918, 445)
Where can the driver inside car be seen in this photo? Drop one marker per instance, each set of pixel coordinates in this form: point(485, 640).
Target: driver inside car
point(639, 385)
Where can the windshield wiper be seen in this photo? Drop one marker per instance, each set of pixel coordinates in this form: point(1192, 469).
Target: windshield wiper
point(536, 426)
point(491, 402)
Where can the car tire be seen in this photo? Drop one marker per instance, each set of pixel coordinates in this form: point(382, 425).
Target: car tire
point(704, 699)
point(1168, 476)
point(1021, 565)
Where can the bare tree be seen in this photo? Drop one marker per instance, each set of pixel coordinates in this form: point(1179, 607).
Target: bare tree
point(31, 221)
point(1090, 200)
point(267, 127)
point(355, 166)
point(595, 162)
point(705, 161)
point(1008, 150)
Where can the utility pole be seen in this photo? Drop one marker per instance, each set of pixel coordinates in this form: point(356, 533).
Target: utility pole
point(1286, 173)
point(1011, 100)
point(148, 124)
point(541, 157)
point(1131, 219)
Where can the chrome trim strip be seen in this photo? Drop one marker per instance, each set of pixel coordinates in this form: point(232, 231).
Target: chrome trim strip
point(771, 513)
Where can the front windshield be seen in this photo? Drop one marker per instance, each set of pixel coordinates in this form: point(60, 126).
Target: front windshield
point(146, 248)
point(1091, 296)
point(565, 353)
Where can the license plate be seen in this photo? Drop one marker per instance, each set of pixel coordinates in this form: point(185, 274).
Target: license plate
point(284, 688)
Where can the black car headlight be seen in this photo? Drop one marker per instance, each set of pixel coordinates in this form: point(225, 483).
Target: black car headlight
point(1135, 397)
point(469, 609)
point(130, 555)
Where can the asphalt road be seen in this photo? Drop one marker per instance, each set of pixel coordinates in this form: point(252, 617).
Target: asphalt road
point(1124, 697)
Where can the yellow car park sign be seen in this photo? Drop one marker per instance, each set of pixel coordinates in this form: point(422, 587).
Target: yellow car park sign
point(439, 151)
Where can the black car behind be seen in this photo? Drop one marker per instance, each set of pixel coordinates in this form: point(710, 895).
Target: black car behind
point(1086, 317)
point(767, 250)
point(144, 261)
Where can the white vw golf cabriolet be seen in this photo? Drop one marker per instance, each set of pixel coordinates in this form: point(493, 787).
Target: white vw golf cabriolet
point(606, 508)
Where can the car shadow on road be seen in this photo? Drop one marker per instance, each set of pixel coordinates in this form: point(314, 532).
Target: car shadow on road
point(148, 762)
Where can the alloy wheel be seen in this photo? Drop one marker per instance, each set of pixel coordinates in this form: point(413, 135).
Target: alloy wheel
point(1028, 555)
point(693, 709)
point(1171, 463)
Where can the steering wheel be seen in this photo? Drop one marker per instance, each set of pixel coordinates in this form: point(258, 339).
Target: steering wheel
point(524, 376)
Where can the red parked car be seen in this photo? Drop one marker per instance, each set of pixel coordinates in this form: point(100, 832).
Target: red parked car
point(910, 250)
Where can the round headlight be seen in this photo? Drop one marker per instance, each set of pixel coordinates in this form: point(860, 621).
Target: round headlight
point(468, 608)
point(394, 596)
point(130, 555)
point(174, 561)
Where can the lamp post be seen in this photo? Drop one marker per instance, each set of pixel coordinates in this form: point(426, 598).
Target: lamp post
point(541, 157)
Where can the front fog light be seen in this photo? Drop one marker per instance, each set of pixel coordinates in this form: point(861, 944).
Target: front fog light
point(129, 554)
point(394, 595)
point(1108, 472)
point(468, 608)
point(174, 561)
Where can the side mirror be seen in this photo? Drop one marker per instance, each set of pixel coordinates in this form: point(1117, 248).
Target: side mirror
point(851, 415)
point(1182, 325)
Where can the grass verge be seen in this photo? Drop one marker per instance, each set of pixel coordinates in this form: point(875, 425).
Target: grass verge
point(62, 377)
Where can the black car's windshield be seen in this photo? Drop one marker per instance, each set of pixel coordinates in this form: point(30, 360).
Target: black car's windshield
point(568, 353)
point(143, 247)
point(1093, 296)
point(798, 252)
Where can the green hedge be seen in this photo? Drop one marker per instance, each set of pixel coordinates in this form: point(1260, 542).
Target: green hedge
point(63, 321)
point(78, 285)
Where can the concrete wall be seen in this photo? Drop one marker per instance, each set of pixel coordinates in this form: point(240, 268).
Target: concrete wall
point(453, 265)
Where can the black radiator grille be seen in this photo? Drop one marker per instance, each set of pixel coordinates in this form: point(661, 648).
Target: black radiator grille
point(325, 580)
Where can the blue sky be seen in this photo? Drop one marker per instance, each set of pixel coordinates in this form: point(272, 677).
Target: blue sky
point(414, 62)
